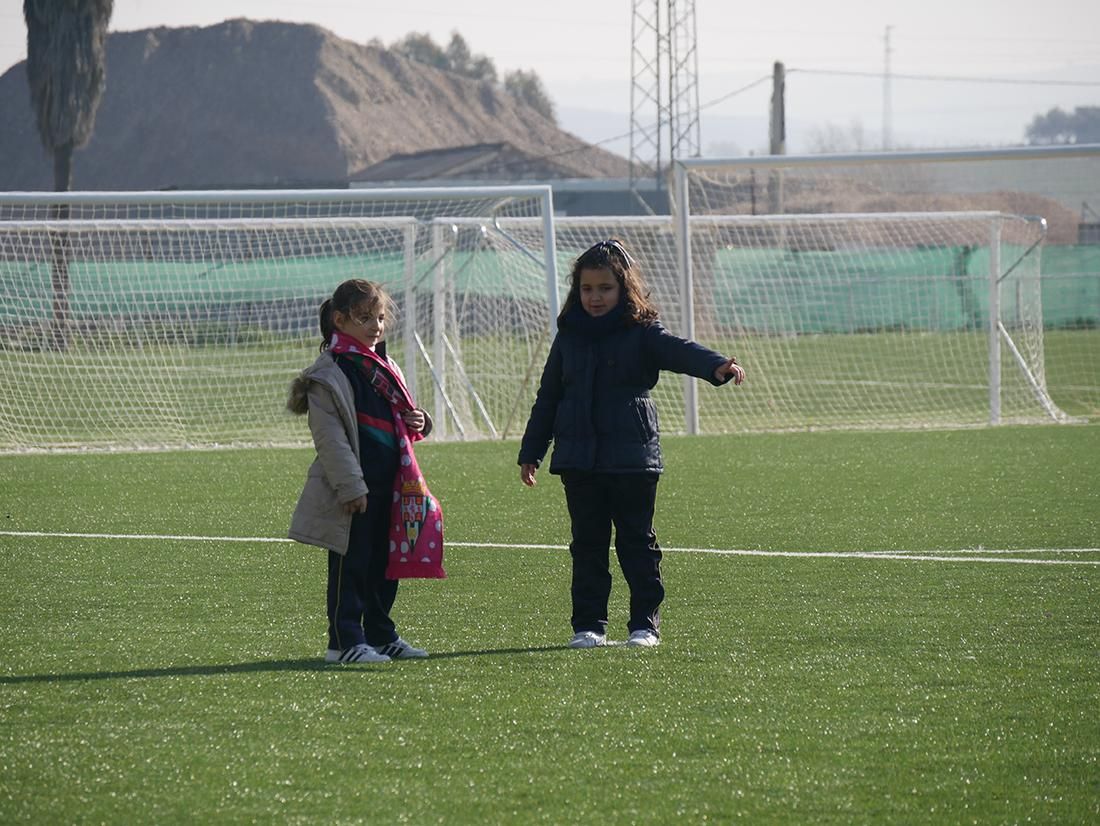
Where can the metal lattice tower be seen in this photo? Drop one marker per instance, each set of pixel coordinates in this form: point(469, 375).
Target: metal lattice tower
point(664, 89)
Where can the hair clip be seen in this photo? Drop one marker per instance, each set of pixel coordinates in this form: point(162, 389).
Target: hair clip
point(609, 246)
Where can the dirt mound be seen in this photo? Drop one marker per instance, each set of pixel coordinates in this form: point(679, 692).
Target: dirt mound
point(247, 103)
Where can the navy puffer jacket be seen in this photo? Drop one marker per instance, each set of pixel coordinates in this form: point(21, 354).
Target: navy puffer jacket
point(593, 399)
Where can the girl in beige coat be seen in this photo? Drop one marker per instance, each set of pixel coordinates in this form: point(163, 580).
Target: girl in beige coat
point(345, 503)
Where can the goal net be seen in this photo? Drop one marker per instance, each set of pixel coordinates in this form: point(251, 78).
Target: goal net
point(846, 321)
point(163, 320)
point(895, 290)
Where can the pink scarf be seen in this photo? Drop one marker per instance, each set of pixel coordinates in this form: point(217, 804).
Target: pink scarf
point(416, 520)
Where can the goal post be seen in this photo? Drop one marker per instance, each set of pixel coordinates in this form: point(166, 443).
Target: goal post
point(189, 313)
point(868, 230)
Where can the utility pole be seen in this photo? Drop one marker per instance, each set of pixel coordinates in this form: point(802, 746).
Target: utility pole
point(777, 136)
point(664, 88)
point(887, 115)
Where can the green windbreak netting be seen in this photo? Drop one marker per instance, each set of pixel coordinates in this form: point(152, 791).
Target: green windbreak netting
point(1071, 286)
point(108, 288)
point(769, 290)
point(947, 288)
point(99, 289)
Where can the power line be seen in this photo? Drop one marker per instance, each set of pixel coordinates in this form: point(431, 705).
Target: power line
point(624, 135)
point(950, 78)
point(735, 92)
point(876, 75)
point(862, 34)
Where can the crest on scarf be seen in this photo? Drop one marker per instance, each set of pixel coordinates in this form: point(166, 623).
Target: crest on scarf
point(415, 505)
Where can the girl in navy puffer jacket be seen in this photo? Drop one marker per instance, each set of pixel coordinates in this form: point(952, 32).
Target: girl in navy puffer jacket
point(593, 401)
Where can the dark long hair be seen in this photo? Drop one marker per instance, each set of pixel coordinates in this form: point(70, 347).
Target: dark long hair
point(355, 292)
point(613, 255)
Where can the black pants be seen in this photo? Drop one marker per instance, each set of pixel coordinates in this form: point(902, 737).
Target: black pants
point(596, 501)
point(360, 597)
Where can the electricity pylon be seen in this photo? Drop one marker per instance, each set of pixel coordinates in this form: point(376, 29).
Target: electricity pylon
point(664, 89)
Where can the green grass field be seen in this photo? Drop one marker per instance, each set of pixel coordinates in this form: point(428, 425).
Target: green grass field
point(162, 680)
point(219, 394)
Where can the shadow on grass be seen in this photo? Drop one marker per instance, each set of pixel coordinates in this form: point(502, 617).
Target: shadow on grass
point(259, 666)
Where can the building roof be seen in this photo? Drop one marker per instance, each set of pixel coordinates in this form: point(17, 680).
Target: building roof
point(500, 161)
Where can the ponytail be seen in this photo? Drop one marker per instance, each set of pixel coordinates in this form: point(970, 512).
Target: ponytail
point(327, 327)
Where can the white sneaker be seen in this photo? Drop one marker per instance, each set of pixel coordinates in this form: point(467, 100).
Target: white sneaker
point(356, 655)
point(643, 637)
point(587, 639)
point(401, 650)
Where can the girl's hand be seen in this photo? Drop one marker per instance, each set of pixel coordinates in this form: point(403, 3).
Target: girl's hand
point(730, 369)
point(356, 505)
point(414, 420)
point(527, 475)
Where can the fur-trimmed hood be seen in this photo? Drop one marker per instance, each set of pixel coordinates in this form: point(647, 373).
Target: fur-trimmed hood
point(324, 370)
point(297, 400)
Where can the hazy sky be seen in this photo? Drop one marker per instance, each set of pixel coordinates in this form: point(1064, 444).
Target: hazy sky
point(582, 48)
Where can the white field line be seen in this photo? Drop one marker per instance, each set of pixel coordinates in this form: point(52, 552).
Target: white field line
point(988, 555)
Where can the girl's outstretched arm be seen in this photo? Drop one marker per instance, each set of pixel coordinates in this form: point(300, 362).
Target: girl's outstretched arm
point(681, 355)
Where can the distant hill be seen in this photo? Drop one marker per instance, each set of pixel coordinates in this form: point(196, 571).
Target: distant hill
point(247, 103)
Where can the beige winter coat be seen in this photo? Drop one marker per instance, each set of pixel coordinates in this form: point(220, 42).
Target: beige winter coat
point(335, 477)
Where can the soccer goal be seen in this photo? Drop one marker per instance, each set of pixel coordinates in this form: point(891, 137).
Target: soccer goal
point(844, 321)
point(892, 290)
point(166, 320)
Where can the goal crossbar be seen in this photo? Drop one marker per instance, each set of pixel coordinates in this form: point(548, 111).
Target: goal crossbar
point(191, 286)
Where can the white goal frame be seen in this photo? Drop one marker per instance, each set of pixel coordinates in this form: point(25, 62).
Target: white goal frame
point(998, 335)
point(44, 215)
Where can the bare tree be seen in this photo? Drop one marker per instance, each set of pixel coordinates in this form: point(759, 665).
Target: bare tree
point(66, 69)
point(832, 138)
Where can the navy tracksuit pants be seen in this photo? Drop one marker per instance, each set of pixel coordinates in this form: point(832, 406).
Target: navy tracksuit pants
point(360, 597)
point(596, 502)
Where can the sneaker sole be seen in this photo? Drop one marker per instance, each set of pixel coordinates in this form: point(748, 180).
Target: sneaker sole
point(333, 657)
